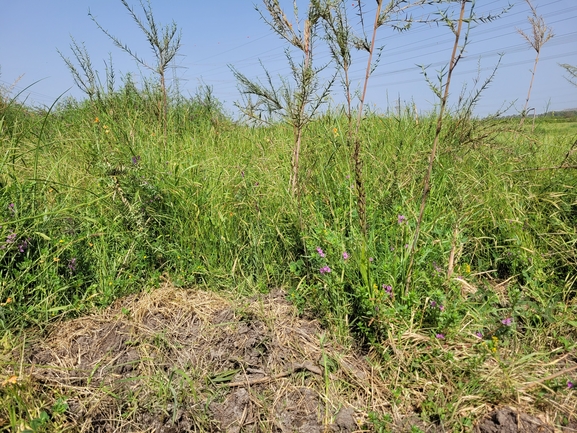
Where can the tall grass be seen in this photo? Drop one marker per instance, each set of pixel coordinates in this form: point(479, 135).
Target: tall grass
point(94, 208)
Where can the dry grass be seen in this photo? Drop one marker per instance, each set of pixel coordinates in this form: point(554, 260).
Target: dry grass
point(189, 359)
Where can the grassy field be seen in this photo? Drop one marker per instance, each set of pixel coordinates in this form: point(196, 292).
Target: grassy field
point(96, 203)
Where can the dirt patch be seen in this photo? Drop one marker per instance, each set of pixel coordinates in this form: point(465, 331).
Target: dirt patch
point(507, 420)
point(186, 360)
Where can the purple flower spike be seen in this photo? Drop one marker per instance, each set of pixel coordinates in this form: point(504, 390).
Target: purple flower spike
point(401, 219)
point(324, 270)
point(507, 321)
point(570, 384)
point(388, 289)
point(479, 334)
point(440, 336)
point(321, 253)
point(433, 304)
point(345, 255)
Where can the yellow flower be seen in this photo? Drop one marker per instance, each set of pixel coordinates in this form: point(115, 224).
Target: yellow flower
point(96, 120)
point(56, 259)
point(11, 379)
point(8, 300)
point(336, 132)
point(61, 241)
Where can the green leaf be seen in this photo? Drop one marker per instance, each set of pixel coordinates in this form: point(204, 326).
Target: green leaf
point(225, 376)
point(43, 236)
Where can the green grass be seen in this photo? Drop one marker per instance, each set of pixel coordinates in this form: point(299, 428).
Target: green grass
point(95, 205)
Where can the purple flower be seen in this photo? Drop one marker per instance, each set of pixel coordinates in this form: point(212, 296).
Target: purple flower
point(321, 253)
point(136, 159)
point(388, 289)
point(11, 208)
point(441, 307)
point(72, 265)
point(23, 246)
point(324, 270)
point(570, 384)
point(433, 304)
point(479, 334)
point(371, 259)
point(392, 249)
point(507, 321)
point(440, 336)
point(401, 219)
point(437, 268)
point(345, 255)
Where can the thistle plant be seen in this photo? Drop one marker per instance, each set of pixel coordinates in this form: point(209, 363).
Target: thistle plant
point(541, 33)
point(295, 105)
point(165, 42)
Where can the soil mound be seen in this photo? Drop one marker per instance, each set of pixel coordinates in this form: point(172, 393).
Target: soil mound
point(186, 360)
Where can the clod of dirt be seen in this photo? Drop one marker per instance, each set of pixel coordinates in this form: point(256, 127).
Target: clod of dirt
point(507, 420)
point(345, 420)
point(300, 412)
point(232, 413)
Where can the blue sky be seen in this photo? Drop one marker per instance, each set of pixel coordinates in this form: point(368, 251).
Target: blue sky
point(216, 34)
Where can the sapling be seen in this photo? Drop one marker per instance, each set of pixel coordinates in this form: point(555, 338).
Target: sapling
point(541, 33)
point(442, 92)
point(296, 104)
point(85, 78)
point(572, 71)
point(164, 41)
point(339, 37)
